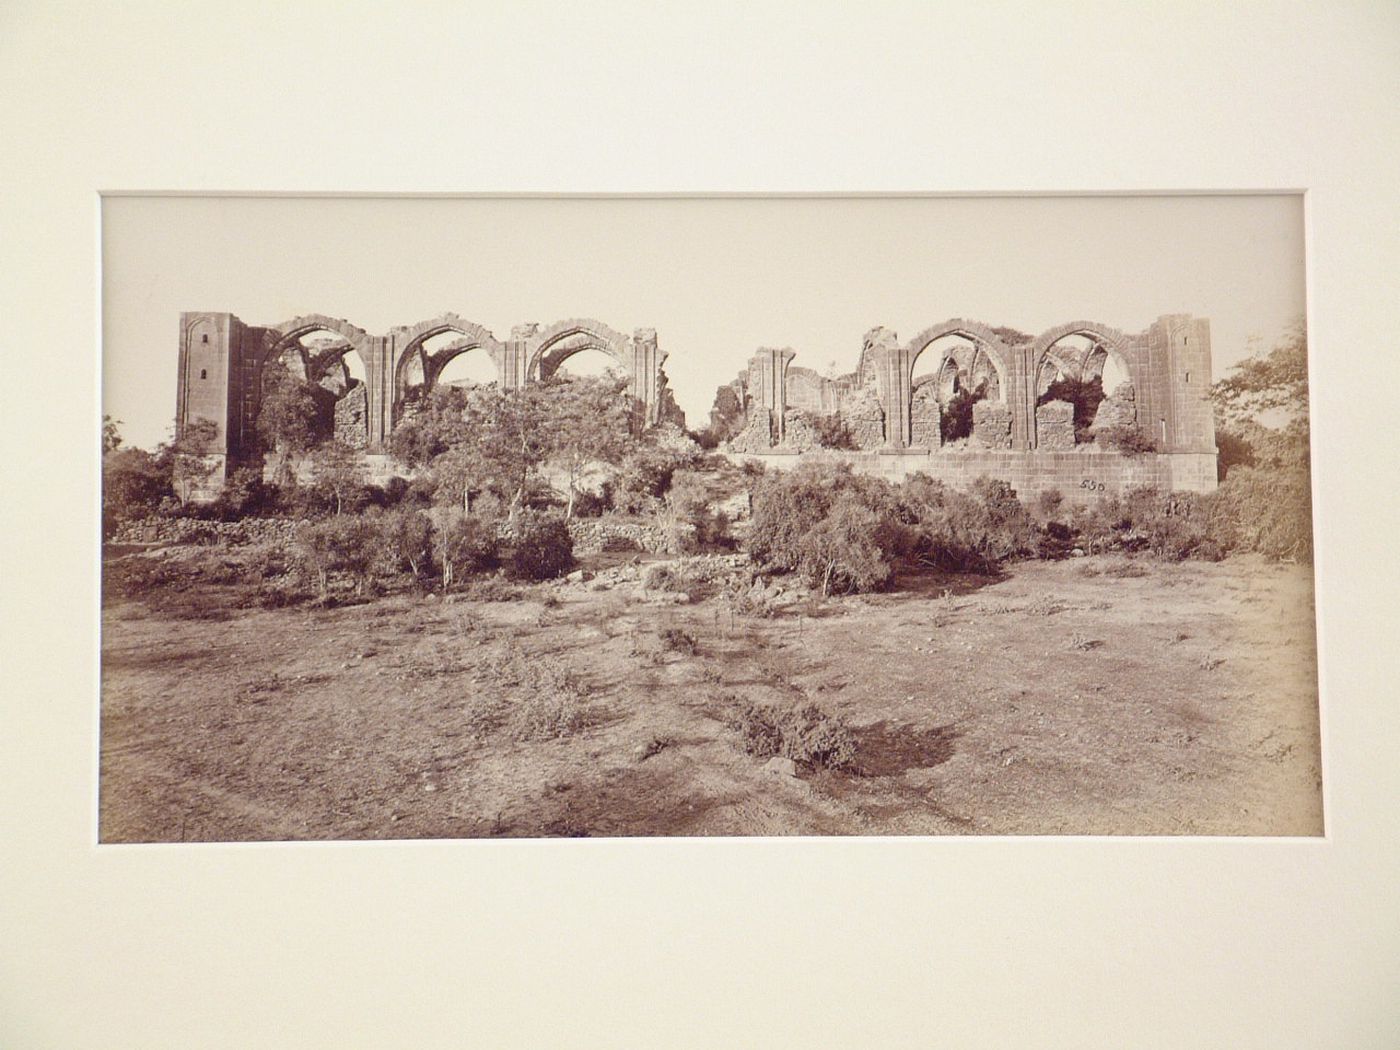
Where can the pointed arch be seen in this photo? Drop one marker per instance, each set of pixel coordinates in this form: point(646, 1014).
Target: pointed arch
point(411, 341)
point(561, 340)
point(975, 332)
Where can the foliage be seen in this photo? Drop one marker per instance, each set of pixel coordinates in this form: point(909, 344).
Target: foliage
point(542, 548)
point(462, 544)
point(687, 513)
point(589, 420)
point(837, 528)
point(408, 535)
point(805, 733)
point(338, 476)
point(726, 418)
point(644, 473)
point(133, 484)
point(435, 425)
point(1268, 512)
point(662, 577)
point(346, 544)
point(955, 421)
point(111, 437)
point(244, 494)
point(830, 430)
point(966, 531)
point(1128, 440)
point(1011, 336)
point(290, 417)
point(1263, 383)
point(842, 553)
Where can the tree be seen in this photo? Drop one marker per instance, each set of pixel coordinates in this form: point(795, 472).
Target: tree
point(506, 438)
point(587, 420)
point(111, 438)
point(190, 454)
point(1267, 383)
point(133, 484)
point(288, 418)
point(435, 426)
point(338, 472)
point(1262, 408)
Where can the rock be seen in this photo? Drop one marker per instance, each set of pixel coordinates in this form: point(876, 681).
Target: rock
point(579, 576)
point(1078, 552)
point(780, 766)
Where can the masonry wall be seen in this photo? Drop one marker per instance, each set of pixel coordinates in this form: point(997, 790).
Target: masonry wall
point(1084, 475)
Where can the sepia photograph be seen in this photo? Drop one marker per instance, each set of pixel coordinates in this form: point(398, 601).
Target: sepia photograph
point(551, 516)
point(697, 525)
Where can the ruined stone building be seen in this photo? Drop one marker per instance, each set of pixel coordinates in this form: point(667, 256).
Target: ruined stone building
point(893, 409)
point(224, 365)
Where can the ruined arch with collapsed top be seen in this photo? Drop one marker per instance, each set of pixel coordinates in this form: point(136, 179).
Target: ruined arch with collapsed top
point(410, 350)
point(561, 340)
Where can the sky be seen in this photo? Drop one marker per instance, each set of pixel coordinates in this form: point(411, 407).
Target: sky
point(716, 277)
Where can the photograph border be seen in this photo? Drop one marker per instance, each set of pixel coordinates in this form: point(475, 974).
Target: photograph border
point(890, 942)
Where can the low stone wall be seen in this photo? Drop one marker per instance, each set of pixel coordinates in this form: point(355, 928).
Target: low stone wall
point(1082, 475)
point(600, 534)
point(193, 530)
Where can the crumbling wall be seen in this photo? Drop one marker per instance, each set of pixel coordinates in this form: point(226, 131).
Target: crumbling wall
point(757, 434)
point(865, 418)
point(798, 432)
point(926, 416)
point(1054, 426)
point(991, 425)
point(1117, 410)
point(351, 414)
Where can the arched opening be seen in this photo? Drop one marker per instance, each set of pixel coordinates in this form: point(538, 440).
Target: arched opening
point(577, 353)
point(588, 361)
point(1082, 369)
point(950, 374)
point(321, 372)
point(459, 361)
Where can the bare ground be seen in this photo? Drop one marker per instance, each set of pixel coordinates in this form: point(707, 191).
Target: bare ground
point(1073, 697)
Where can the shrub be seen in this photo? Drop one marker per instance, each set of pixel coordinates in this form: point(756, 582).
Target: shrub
point(661, 578)
point(134, 485)
point(1128, 440)
point(1265, 511)
point(244, 494)
point(967, 531)
point(408, 536)
point(788, 508)
point(339, 545)
point(543, 547)
point(842, 554)
point(806, 733)
point(678, 641)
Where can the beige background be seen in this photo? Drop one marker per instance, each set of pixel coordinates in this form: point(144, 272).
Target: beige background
point(672, 943)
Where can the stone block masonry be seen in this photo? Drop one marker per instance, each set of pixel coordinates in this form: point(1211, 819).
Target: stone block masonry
point(1084, 475)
